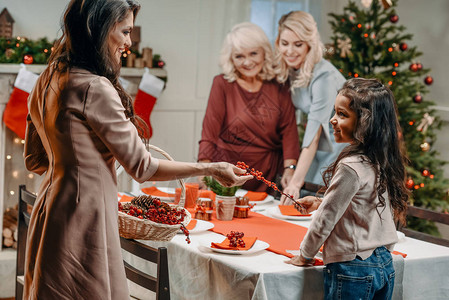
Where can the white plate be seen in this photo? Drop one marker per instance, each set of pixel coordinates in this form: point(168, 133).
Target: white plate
point(242, 192)
point(258, 246)
point(275, 212)
point(201, 226)
point(401, 236)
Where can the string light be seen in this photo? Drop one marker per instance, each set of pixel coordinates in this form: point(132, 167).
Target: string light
point(22, 141)
point(11, 192)
point(16, 140)
point(31, 176)
point(15, 174)
point(8, 156)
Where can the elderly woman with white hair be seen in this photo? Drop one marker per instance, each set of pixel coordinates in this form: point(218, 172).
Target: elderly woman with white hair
point(314, 83)
point(249, 116)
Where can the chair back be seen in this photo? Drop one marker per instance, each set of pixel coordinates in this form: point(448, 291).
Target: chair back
point(159, 284)
point(427, 214)
point(26, 199)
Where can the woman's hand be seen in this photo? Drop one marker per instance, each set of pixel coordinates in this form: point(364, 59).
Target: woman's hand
point(287, 176)
point(299, 260)
point(309, 204)
point(229, 175)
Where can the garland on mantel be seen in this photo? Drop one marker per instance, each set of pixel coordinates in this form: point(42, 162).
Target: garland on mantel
point(23, 50)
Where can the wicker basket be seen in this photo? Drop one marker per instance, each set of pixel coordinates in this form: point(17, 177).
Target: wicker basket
point(134, 228)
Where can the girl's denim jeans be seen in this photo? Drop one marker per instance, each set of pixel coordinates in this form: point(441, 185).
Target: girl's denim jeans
point(372, 278)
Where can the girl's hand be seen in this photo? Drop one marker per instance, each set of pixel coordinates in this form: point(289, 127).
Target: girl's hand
point(309, 204)
point(229, 175)
point(299, 260)
point(291, 190)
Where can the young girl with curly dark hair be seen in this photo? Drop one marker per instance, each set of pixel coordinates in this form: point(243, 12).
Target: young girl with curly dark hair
point(365, 194)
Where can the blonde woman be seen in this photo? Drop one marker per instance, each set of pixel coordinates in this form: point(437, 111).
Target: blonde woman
point(249, 116)
point(314, 83)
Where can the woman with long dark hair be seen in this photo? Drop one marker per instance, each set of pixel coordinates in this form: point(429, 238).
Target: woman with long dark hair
point(80, 122)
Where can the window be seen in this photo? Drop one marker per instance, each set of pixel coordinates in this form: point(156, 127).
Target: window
point(266, 13)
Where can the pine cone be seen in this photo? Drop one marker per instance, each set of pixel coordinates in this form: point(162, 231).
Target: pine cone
point(142, 201)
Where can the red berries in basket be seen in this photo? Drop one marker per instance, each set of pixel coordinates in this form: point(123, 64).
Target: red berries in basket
point(153, 209)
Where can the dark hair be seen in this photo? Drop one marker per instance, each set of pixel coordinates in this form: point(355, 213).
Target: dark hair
point(377, 137)
point(86, 26)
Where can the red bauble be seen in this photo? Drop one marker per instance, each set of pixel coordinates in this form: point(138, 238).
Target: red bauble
point(425, 172)
point(417, 98)
point(27, 59)
point(403, 46)
point(161, 64)
point(394, 18)
point(428, 80)
point(419, 66)
point(410, 183)
point(413, 67)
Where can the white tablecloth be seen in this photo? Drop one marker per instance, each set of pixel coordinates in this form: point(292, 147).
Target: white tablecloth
point(199, 273)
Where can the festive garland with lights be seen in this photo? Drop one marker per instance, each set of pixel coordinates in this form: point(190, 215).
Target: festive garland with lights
point(23, 50)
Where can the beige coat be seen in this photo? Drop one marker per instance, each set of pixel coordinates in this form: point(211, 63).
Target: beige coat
point(73, 249)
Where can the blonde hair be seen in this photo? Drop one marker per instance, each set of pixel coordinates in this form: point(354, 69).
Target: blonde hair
point(304, 26)
point(243, 36)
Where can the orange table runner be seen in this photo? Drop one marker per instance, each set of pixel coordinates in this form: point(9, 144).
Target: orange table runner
point(154, 191)
point(125, 198)
point(279, 234)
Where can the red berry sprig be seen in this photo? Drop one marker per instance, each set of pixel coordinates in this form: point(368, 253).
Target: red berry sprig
point(235, 239)
point(258, 175)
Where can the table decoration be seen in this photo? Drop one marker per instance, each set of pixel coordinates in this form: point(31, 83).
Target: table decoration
point(148, 218)
point(224, 199)
point(203, 209)
point(242, 207)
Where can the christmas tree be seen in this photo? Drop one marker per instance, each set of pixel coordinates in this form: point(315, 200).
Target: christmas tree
point(367, 42)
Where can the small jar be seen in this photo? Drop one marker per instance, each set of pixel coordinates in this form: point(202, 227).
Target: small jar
point(203, 209)
point(242, 207)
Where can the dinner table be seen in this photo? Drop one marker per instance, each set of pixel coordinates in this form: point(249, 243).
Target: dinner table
point(199, 271)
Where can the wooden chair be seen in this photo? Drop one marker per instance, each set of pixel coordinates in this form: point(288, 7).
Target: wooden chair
point(430, 215)
point(159, 284)
point(26, 198)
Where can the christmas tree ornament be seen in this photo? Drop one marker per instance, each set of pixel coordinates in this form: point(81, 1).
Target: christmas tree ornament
point(413, 67)
point(419, 66)
point(394, 18)
point(161, 64)
point(345, 47)
point(386, 3)
point(150, 88)
point(425, 172)
point(417, 98)
point(329, 49)
point(425, 122)
point(403, 46)
point(410, 183)
point(428, 80)
point(28, 59)
point(9, 53)
point(16, 109)
point(425, 146)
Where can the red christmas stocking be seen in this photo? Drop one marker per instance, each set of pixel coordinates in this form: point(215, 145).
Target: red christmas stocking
point(17, 107)
point(150, 88)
